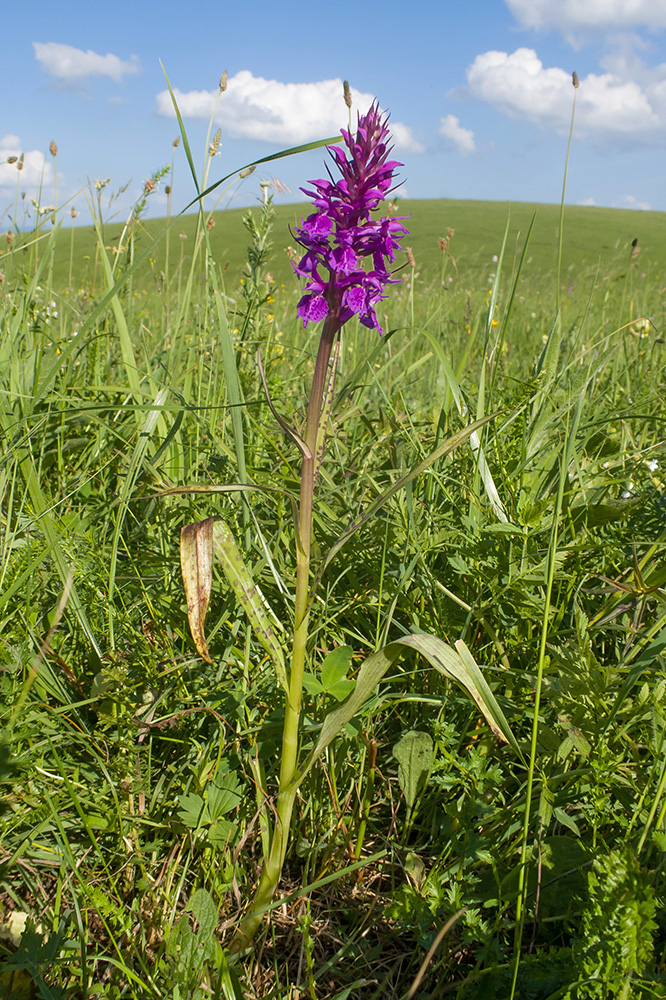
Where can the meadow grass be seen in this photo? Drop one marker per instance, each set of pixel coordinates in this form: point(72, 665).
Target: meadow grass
point(595, 237)
point(132, 818)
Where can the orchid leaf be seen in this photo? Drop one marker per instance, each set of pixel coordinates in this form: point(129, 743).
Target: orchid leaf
point(457, 664)
point(196, 564)
point(202, 541)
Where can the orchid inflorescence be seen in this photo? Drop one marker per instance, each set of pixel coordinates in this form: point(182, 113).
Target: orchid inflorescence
point(341, 234)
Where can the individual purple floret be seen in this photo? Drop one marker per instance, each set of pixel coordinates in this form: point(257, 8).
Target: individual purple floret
point(340, 234)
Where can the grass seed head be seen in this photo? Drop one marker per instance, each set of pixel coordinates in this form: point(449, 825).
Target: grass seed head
point(73, 212)
point(411, 260)
point(53, 148)
point(12, 159)
point(176, 142)
point(223, 81)
point(215, 144)
point(19, 164)
point(346, 89)
point(246, 171)
point(210, 224)
point(575, 81)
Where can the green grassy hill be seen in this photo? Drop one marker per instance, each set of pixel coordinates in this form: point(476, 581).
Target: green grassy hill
point(592, 236)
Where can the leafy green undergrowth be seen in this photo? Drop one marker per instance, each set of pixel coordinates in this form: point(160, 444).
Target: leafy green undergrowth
point(131, 824)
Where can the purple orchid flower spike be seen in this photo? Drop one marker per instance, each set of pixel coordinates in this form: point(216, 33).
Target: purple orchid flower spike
point(340, 236)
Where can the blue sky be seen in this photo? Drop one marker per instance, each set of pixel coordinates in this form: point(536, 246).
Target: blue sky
point(479, 93)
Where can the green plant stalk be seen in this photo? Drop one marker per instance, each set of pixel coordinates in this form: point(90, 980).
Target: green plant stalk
point(558, 299)
point(368, 793)
point(289, 776)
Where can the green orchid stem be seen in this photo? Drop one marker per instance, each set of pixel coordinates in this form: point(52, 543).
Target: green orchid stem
point(314, 440)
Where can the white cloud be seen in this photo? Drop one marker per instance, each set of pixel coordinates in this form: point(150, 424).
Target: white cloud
point(403, 138)
point(574, 15)
point(630, 201)
point(36, 169)
point(271, 111)
point(456, 136)
point(66, 64)
point(520, 86)
point(587, 201)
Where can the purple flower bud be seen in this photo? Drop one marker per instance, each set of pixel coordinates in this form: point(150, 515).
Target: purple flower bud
point(341, 234)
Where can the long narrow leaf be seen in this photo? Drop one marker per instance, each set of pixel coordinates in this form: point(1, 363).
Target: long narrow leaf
point(181, 126)
point(445, 448)
point(457, 664)
point(234, 390)
point(292, 151)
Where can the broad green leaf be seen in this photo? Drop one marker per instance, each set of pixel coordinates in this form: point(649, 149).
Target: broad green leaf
point(415, 754)
point(415, 869)
point(335, 666)
point(192, 810)
point(188, 948)
point(659, 840)
point(341, 689)
point(223, 794)
point(334, 671)
point(203, 908)
point(312, 684)
point(546, 802)
point(222, 833)
point(574, 737)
